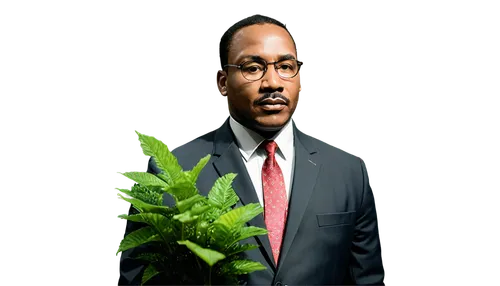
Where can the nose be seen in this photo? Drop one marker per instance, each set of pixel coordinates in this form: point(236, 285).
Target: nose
point(271, 80)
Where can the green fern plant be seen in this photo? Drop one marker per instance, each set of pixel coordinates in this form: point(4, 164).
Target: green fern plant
point(197, 241)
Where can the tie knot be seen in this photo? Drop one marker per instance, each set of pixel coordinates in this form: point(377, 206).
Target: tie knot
point(270, 147)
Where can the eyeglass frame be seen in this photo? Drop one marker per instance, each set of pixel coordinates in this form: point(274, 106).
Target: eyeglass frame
point(266, 64)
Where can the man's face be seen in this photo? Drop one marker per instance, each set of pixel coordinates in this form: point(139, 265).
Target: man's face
point(258, 104)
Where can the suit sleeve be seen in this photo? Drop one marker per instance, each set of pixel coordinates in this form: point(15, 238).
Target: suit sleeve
point(131, 269)
point(366, 258)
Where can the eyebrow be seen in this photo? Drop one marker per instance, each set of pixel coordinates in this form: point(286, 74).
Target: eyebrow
point(259, 58)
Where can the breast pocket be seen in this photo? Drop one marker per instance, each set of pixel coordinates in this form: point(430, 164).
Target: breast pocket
point(336, 219)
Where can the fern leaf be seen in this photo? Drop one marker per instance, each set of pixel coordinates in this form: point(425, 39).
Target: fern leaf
point(185, 217)
point(157, 221)
point(191, 215)
point(150, 195)
point(237, 248)
point(161, 224)
point(149, 273)
point(208, 255)
point(200, 209)
point(212, 214)
point(165, 160)
point(145, 179)
point(195, 172)
point(239, 216)
point(249, 231)
point(165, 177)
point(238, 267)
point(182, 189)
point(138, 237)
point(186, 204)
point(222, 194)
point(221, 235)
point(145, 207)
point(201, 231)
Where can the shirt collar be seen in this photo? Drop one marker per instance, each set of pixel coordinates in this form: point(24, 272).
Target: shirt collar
point(248, 140)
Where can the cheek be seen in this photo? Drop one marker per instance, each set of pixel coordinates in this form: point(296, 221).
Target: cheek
point(295, 85)
point(234, 84)
point(243, 94)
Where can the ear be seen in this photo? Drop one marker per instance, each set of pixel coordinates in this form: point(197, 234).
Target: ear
point(301, 89)
point(221, 82)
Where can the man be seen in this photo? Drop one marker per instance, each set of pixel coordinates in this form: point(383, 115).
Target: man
point(318, 205)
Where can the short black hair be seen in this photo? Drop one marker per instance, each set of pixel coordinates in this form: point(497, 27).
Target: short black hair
point(225, 41)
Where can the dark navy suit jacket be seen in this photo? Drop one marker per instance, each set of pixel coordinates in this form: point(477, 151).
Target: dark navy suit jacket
point(331, 235)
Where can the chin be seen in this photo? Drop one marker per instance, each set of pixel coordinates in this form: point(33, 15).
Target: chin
point(271, 122)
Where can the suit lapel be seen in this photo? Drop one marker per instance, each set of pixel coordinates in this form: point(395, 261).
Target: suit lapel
point(229, 161)
point(306, 169)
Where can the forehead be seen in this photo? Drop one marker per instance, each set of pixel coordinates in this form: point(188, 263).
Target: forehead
point(265, 40)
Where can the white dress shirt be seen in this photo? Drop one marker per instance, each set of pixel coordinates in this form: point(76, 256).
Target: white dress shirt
point(253, 157)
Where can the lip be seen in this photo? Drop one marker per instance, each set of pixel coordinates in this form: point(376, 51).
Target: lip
point(272, 107)
point(273, 101)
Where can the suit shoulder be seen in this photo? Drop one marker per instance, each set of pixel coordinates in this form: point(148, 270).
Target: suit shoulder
point(329, 152)
point(203, 142)
point(190, 153)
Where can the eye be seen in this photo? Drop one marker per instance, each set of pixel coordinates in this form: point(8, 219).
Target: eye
point(287, 66)
point(252, 67)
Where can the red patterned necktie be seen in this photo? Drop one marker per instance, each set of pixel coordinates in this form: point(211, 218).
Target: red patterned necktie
point(275, 199)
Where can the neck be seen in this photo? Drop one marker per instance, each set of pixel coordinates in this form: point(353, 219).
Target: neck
point(267, 134)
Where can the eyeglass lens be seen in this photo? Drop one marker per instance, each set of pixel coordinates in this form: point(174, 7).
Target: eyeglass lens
point(255, 70)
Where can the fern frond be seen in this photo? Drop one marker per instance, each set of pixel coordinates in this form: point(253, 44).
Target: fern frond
point(238, 267)
point(146, 179)
point(208, 255)
point(195, 172)
point(239, 216)
point(164, 159)
point(149, 273)
point(145, 207)
point(182, 189)
point(237, 248)
point(222, 194)
point(138, 237)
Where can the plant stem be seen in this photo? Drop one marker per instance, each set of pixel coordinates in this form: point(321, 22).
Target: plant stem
point(198, 261)
point(182, 231)
point(210, 276)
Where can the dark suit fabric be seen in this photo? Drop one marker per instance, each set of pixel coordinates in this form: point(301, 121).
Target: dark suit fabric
point(331, 235)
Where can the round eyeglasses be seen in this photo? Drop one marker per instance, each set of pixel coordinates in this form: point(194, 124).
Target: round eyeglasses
point(255, 70)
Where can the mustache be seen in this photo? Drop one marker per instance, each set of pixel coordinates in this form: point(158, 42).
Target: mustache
point(271, 95)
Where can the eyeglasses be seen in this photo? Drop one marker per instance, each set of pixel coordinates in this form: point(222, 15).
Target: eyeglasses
point(256, 69)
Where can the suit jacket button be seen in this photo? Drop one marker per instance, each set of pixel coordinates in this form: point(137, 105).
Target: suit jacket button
point(278, 284)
